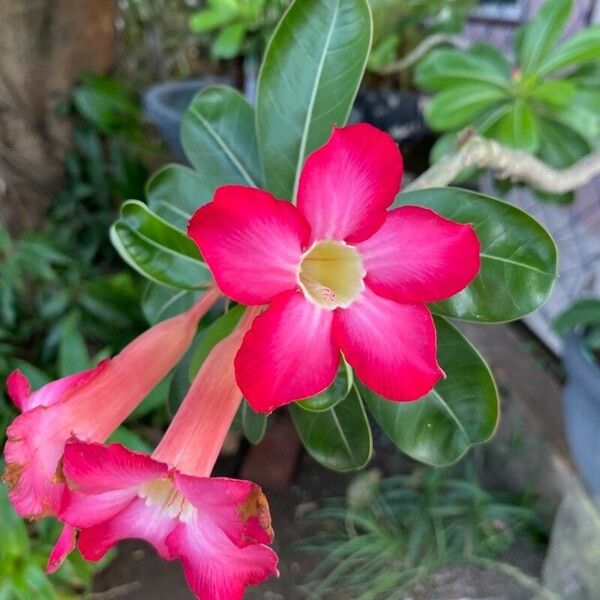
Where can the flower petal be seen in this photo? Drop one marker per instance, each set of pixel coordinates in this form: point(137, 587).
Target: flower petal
point(34, 447)
point(87, 510)
point(137, 520)
point(288, 354)
point(64, 546)
point(251, 241)
point(419, 256)
point(95, 468)
point(19, 389)
point(238, 507)
point(391, 346)
point(346, 186)
point(215, 568)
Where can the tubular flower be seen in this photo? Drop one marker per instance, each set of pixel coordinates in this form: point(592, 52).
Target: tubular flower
point(88, 405)
point(219, 528)
point(339, 272)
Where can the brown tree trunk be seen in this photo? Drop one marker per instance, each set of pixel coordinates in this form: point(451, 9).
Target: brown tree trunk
point(44, 46)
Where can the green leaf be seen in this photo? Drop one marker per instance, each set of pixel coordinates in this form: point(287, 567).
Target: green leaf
point(518, 128)
point(212, 18)
point(560, 146)
point(212, 335)
point(125, 436)
point(339, 438)
point(308, 82)
point(340, 388)
point(254, 424)
point(445, 68)
point(542, 33)
point(460, 105)
point(229, 41)
point(175, 192)
point(583, 115)
point(461, 411)
point(555, 92)
point(583, 313)
point(13, 532)
point(583, 47)
point(518, 256)
point(72, 350)
point(156, 399)
point(160, 303)
point(157, 250)
point(219, 138)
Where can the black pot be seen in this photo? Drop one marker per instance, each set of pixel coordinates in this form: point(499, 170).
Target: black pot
point(581, 407)
point(165, 103)
point(398, 112)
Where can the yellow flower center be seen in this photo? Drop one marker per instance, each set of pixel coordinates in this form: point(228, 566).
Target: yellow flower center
point(331, 274)
point(163, 495)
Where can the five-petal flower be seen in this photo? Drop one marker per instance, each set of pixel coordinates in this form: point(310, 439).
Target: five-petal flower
point(339, 272)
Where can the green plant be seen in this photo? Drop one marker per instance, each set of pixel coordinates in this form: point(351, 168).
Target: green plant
point(238, 26)
point(23, 554)
point(543, 102)
point(399, 27)
point(582, 316)
point(389, 534)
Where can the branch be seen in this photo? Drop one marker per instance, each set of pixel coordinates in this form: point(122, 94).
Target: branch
point(414, 56)
point(506, 163)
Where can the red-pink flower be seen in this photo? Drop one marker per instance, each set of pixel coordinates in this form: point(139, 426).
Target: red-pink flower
point(88, 405)
point(339, 272)
point(219, 528)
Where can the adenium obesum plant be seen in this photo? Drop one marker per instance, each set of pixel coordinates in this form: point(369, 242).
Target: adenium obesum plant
point(219, 528)
point(338, 272)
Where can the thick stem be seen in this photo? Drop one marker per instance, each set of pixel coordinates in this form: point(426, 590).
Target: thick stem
point(195, 437)
point(506, 163)
point(413, 57)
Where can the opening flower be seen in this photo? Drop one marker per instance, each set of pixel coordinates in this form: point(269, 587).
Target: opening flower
point(88, 405)
point(339, 273)
point(219, 528)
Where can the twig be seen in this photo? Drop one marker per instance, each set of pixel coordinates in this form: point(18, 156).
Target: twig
point(415, 55)
point(506, 163)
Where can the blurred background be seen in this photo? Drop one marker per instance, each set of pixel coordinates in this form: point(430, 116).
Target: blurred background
point(92, 94)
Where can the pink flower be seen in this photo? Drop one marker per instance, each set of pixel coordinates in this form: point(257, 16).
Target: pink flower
point(88, 405)
point(339, 272)
point(219, 528)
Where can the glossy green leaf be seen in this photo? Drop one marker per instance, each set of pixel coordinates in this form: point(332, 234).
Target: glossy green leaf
point(340, 388)
point(460, 105)
point(583, 313)
point(130, 439)
point(554, 92)
point(445, 67)
point(461, 411)
point(518, 128)
point(542, 33)
point(518, 256)
point(175, 192)
point(157, 250)
point(307, 84)
point(560, 146)
point(160, 303)
point(583, 115)
point(212, 18)
point(579, 49)
point(339, 438)
point(72, 350)
point(254, 424)
point(212, 335)
point(219, 138)
point(229, 41)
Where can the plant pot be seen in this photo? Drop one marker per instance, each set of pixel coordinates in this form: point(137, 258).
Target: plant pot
point(165, 103)
point(581, 407)
point(399, 112)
